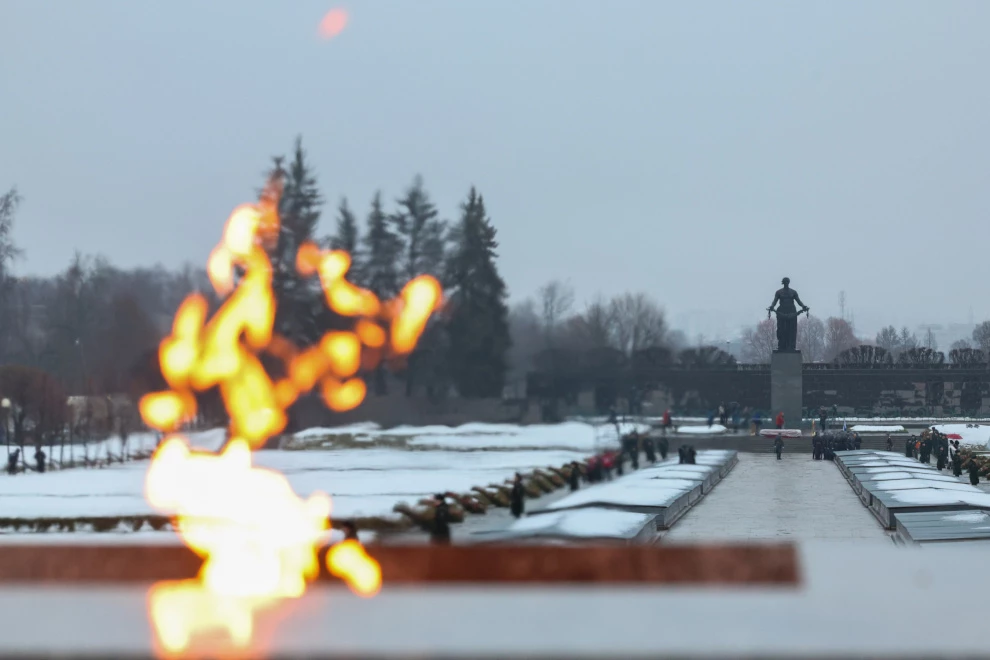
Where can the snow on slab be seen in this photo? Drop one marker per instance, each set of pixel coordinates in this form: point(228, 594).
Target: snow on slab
point(909, 484)
point(934, 496)
point(624, 492)
point(906, 464)
point(914, 476)
point(871, 428)
point(701, 430)
point(973, 517)
point(582, 523)
point(877, 475)
point(977, 435)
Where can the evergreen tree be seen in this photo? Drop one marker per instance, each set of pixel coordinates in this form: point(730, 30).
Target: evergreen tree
point(478, 326)
point(9, 252)
point(299, 304)
point(346, 239)
point(421, 233)
point(381, 249)
point(381, 252)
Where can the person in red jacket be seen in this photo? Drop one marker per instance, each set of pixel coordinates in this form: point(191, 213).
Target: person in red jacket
point(780, 420)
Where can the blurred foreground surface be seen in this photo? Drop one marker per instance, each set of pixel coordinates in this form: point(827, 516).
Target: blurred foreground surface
point(856, 598)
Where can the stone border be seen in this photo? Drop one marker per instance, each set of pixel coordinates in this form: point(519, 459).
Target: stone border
point(769, 564)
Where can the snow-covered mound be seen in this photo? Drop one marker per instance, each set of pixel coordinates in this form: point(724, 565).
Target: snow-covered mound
point(714, 429)
point(977, 435)
point(876, 428)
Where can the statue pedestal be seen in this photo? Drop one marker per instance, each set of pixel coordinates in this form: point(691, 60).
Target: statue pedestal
point(786, 388)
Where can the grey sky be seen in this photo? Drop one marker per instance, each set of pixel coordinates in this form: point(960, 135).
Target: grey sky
point(695, 150)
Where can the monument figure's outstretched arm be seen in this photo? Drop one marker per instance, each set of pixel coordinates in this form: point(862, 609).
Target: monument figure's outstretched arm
point(797, 299)
point(776, 299)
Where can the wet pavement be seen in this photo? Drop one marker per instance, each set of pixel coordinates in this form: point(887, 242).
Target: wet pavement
point(763, 498)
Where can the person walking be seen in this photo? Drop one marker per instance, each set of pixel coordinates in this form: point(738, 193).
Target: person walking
point(350, 530)
point(517, 498)
point(650, 447)
point(574, 478)
point(757, 423)
point(440, 533)
point(780, 419)
point(778, 445)
point(974, 471)
point(890, 443)
point(823, 418)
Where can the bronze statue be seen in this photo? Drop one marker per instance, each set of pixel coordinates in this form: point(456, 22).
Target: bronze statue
point(787, 315)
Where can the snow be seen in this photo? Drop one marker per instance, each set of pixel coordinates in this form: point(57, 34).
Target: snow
point(575, 436)
point(870, 428)
point(582, 523)
point(910, 484)
point(363, 480)
point(137, 443)
point(974, 517)
point(618, 493)
point(891, 476)
point(784, 433)
point(977, 435)
point(702, 430)
point(935, 496)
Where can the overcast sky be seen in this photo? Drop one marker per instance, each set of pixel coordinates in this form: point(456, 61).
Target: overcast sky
point(698, 151)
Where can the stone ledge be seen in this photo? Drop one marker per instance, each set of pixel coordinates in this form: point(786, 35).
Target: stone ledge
point(723, 564)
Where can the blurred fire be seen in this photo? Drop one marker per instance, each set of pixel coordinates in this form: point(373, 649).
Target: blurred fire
point(259, 540)
point(333, 23)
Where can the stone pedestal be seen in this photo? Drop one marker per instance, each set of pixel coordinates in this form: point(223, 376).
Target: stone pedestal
point(786, 388)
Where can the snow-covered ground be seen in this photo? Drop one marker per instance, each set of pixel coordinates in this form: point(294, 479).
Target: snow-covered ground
point(877, 428)
point(365, 476)
point(714, 429)
point(973, 434)
point(140, 443)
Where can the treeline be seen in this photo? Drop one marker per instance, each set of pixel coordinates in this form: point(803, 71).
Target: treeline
point(818, 340)
point(550, 323)
point(93, 329)
point(834, 340)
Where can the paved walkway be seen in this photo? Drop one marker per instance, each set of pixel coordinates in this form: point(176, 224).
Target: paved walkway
point(795, 498)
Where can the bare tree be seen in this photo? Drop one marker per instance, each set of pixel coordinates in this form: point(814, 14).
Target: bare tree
point(909, 340)
point(592, 328)
point(930, 342)
point(889, 340)
point(555, 300)
point(960, 345)
point(639, 322)
point(981, 337)
point(864, 356)
point(967, 356)
point(839, 337)
point(811, 338)
point(759, 342)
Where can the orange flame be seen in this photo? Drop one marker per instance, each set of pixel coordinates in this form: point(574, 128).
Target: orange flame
point(257, 538)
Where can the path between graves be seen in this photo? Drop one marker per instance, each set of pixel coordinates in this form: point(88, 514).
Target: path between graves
point(794, 498)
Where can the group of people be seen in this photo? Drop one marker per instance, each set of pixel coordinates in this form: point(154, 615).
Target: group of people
point(600, 466)
point(14, 457)
point(946, 452)
point(824, 445)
